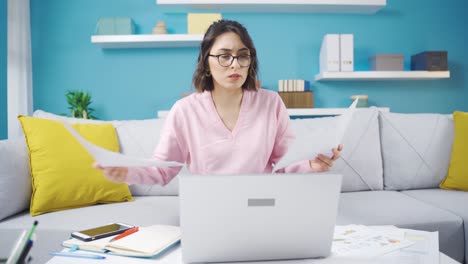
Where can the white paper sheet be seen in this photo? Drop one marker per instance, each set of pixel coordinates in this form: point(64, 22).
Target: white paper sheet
point(108, 158)
point(364, 242)
point(425, 249)
point(322, 139)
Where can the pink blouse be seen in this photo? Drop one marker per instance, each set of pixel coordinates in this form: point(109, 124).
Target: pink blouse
point(193, 133)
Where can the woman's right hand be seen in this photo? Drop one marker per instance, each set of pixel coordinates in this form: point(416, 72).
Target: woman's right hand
point(115, 174)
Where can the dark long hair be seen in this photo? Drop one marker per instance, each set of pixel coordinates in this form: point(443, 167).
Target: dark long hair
point(202, 79)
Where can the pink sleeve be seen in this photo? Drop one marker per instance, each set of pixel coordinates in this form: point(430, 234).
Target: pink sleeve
point(170, 148)
point(284, 136)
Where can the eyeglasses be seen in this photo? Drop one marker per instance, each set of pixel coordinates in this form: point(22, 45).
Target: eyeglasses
point(226, 60)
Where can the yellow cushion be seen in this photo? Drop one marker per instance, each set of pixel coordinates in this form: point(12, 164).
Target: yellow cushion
point(61, 169)
point(457, 176)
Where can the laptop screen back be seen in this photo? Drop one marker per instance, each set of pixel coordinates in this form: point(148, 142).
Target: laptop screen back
point(257, 217)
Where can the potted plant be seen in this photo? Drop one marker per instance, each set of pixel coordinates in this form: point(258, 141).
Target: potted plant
point(79, 104)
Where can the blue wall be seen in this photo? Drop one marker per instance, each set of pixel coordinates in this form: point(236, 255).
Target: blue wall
point(3, 71)
point(135, 83)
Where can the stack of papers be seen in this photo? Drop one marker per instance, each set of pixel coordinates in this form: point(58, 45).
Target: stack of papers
point(362, 241)
point(424, 250)
point(388, 244)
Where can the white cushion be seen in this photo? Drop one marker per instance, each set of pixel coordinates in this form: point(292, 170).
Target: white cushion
point(416, 149)
point(361, 162)
point(15, 177)
point(137, 138)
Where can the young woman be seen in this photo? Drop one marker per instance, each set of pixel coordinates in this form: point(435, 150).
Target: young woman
point(228, 126)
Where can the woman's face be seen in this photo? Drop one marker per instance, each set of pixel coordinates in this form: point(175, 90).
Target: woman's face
point(228, 75)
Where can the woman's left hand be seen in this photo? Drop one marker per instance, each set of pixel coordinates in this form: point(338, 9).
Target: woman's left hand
point(323, 163)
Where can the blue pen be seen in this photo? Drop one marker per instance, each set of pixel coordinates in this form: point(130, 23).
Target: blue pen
point(76, 255)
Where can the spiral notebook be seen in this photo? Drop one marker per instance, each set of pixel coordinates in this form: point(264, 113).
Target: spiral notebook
point(147, 242)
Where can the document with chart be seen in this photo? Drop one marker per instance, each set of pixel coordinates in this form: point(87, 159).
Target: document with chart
point(108, 158)
point(318, 137)
point(425, 249)
point(363, 241)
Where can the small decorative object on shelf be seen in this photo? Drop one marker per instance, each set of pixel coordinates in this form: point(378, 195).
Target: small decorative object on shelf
point(258, 84)
point(363, 100)
point(115, 26)
point(198, 23)
point(386, 62)
point(429, 61)
point(160, 28)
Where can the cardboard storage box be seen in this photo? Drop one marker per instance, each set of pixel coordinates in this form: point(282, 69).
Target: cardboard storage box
point(198, 23)
point(429, 61)
point(386, 62)
point(298, 99)
point(115, 26)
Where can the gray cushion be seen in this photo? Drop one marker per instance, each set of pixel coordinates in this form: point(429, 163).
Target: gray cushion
point(452, 201)
point(15, 177)
point(395, 208)
point(416, 149)
point(137, 138)
point(361, 160)
point(56, 227)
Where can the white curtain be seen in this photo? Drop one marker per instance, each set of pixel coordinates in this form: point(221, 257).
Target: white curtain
point(19, 65)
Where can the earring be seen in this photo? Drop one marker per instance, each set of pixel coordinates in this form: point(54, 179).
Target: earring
point(208, 74)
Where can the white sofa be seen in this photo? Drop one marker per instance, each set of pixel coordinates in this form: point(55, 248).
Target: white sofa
point(392, 165)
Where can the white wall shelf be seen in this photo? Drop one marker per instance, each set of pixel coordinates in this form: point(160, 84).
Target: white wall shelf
point(305, 111)
point(147, 41)
point(276, 6)
point(324, 111)
point(381, 75)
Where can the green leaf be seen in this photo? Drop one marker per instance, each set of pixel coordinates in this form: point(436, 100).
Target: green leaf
point(79, 104)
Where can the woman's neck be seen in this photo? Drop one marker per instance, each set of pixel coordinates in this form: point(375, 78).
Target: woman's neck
point(227, 98)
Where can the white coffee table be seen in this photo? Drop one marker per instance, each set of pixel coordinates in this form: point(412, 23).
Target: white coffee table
point(174, 256)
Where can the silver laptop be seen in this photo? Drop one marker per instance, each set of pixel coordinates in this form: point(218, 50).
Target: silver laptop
point(257, 217)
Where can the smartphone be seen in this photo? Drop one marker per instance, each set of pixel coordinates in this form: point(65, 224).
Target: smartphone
point(101, 231)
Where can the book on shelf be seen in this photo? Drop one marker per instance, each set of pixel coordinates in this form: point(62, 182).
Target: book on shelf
point(148, 242)
point(293, 85)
